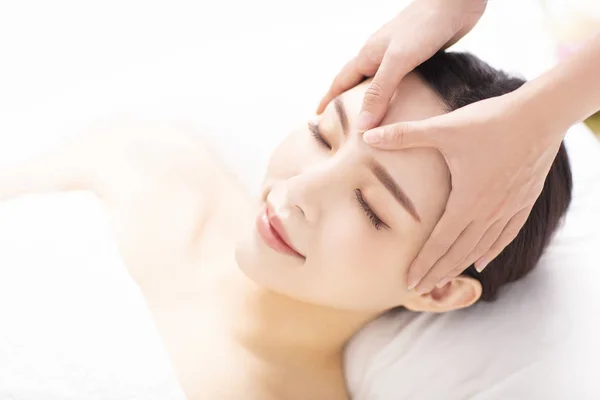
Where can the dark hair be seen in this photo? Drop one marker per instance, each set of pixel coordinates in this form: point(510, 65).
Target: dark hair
point(461, 79)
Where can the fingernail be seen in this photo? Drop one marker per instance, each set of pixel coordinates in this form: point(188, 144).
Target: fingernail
point(422, 290)
point(373, 136)
point(480, 266)
point(442, 283)
point(413, 283)
point(365, 121)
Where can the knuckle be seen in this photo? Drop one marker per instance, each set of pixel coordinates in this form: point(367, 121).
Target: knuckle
point(374, 93)
point(371, 52)
point(365, 58)
point(395, 55)
point(395, 133)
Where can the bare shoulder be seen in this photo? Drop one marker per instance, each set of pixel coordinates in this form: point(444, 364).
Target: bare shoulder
point(154, 150)
point(159, 182)
point(165, 191)
point(116, 158)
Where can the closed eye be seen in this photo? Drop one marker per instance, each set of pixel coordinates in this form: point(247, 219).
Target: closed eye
point(373, 218)
point(313, 127)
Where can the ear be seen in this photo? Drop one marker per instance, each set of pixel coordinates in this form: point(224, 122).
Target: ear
point(460, 292)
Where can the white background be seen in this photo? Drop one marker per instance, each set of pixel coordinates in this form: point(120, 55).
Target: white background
point(244, 72)
point(248, 70)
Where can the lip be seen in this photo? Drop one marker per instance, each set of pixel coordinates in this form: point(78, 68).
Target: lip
point(271, 230)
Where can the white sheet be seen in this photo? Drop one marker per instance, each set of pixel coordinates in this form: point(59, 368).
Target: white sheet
point(73, 325)
point(243, 70)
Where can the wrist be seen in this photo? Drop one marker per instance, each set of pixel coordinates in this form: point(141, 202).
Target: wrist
point(548, 112)
point(569, 92)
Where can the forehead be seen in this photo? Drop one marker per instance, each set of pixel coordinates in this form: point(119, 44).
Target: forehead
point(413, 100)
point(422, 172)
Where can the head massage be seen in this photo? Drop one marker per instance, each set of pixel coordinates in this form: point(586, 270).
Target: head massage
point(356, 217)
point(429, 233)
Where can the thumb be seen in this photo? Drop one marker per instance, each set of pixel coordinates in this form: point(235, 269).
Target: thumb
point(403, 135)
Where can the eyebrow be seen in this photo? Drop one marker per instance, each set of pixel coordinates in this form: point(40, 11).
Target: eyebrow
point(380, 173)
point(385, 178)
point(341, 112)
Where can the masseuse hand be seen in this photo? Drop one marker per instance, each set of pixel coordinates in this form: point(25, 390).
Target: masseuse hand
point(413, 36)
point(499, 152)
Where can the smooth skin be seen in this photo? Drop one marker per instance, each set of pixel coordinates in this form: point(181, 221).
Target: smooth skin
point(239, 319)
point(496, 177)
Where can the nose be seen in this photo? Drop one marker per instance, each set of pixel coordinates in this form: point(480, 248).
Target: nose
point(305, 194)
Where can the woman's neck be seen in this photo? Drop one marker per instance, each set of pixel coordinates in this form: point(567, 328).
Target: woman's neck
point(281, 330)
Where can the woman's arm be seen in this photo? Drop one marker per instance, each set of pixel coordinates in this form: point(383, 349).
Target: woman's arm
point(568, 93)
point(158, 182)
point(59, 169)
point(113, 159)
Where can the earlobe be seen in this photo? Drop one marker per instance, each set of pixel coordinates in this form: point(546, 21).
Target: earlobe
point(460, 292)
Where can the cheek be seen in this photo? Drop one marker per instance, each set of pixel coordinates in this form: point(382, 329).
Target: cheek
point(363, 271)
point(370, 258)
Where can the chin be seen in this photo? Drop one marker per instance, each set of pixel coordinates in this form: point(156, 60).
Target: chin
point(269, 270)
point(255, 262)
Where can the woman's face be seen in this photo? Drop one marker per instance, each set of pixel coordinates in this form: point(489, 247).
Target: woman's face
point(356, 215)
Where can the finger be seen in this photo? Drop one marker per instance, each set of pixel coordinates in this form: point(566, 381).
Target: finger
point(482, 247)
point(349, 76)
point(380, 91)
point(464, 244)
point(404, 135)
point(509, 234)
point(444, 234)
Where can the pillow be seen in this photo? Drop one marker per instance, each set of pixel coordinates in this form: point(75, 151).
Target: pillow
point(225, 67)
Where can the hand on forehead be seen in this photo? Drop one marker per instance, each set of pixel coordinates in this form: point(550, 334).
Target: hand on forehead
point(412, 100)
point(422, 172)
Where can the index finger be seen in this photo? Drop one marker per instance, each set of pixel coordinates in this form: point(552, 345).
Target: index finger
point(383, 86)
point(347, 78)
